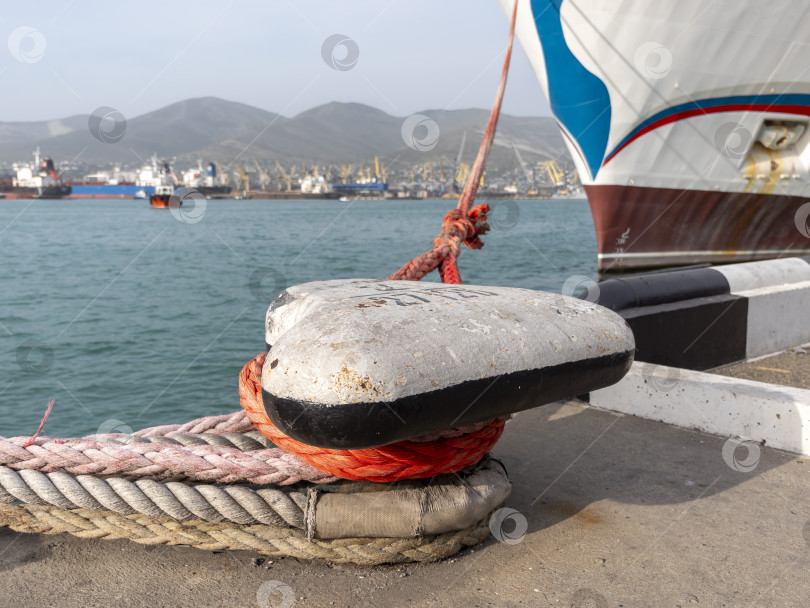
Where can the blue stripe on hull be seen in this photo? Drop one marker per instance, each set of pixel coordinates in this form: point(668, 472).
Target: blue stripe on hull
point(578, 98)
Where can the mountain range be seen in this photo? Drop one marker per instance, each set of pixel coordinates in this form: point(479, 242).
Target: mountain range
point(212, 128)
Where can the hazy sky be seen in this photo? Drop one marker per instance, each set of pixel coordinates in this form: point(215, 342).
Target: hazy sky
point(140, 56)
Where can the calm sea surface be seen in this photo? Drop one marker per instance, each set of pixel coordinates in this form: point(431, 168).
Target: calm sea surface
point(123, 312)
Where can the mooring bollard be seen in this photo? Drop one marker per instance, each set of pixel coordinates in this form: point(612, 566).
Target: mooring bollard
point(363, 363)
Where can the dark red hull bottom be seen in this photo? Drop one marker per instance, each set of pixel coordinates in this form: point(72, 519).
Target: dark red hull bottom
point(653, 227)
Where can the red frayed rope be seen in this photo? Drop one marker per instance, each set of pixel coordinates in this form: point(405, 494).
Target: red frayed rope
point(41, 424)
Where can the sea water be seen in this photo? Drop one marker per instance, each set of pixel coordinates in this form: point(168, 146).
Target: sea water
point(129, 316)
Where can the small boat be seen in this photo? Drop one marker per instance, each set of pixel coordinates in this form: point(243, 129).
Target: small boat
point(159, 176)
point(344, 199)
point(163, 199)
point(141, 195)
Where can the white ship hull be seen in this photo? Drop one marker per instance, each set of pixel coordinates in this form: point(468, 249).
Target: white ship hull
point(687, 122)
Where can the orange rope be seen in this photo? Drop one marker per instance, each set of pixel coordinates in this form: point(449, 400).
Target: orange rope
point(402, 460)
point(462, 224)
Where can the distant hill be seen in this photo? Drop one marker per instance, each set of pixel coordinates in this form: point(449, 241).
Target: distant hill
point(13, 133)
point(211, 128)
point(180, 128)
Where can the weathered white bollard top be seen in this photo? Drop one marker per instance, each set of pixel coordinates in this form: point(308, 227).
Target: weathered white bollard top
point(362, 363)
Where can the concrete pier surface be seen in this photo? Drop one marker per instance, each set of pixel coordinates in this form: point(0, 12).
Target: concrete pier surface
point(619, 512)
point(788, 368)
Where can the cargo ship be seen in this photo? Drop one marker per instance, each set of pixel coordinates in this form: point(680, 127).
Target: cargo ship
point(207, 182)
point(140, 184)
point(143, 182)
point(687, 122)
point(34, 180)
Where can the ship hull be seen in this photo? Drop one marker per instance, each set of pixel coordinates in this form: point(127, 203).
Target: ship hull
point(54, 192)
point(164, 201)
point(638, 227)
point(213, 191)
point(127, 191)
point(47, 192)
point(688, 123)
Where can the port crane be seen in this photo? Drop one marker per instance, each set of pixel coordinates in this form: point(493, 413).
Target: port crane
point(264, 179)
point(379, 170)
point(555, 173)
point(462, 173)
point(222, 173)
point(244, 179)
point(458, 183)
point(284, 175)
point(527, 180)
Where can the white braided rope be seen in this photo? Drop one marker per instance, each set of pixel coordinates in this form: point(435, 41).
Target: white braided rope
point(214, 503)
